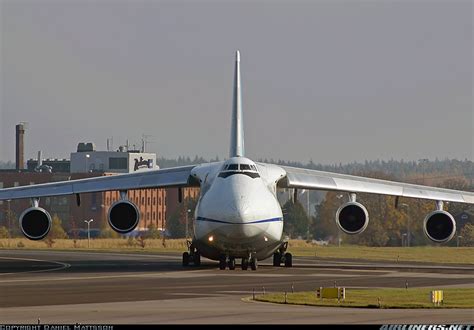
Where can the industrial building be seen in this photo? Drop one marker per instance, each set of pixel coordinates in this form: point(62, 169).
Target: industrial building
point(87, 159)
point(87, 162)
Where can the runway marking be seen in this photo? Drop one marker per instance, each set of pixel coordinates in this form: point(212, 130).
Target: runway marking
point(195, 294)
point(98, 254)
point(187, 274)
point(62, 266)
point(142, 275)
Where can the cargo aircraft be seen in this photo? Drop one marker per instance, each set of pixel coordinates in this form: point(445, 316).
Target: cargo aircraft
point(237, 215)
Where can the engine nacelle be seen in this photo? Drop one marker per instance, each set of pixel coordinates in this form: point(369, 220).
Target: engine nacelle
point(439, 226)
point(123, 216)
point(352, 218)
point(35, 223)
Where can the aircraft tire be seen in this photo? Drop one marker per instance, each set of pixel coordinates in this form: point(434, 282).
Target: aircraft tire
point(222, 263)
point(185, 259)
point(276, 259)
point(197, 259)
point(231, 263)
point(245, 264)
point(253, 263)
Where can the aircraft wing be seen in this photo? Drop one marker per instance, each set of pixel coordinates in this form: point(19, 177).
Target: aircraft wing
point(312, 179)
point(168, 177)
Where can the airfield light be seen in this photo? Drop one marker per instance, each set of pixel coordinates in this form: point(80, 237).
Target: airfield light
point(88, 232)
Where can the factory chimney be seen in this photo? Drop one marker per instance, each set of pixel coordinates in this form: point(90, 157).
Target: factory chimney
point(40, 158)
point(20, 146)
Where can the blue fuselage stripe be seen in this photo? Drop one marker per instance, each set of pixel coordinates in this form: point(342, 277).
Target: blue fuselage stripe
point(240, 223)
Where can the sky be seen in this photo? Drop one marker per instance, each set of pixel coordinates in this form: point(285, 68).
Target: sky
point(327, 81)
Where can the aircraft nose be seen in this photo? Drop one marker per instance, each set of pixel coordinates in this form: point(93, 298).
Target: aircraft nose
point(238, 209)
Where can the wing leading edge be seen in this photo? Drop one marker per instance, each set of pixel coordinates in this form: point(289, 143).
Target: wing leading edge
point(312, 179)
point(168, 177)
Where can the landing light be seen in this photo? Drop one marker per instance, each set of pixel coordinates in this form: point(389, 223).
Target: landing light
point(265, 238)
point(211, 238)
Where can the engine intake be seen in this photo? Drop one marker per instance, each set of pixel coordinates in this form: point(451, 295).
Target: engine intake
point(123, 216)
point(352, 218)
point(35, 223)
point(439, 226)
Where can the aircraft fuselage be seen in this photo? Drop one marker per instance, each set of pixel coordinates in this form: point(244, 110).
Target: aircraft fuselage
point(238, 213)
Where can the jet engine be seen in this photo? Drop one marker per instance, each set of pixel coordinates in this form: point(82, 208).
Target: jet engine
point(35, 223)
point(352, 218)
point(439, 226)
point(123, 216)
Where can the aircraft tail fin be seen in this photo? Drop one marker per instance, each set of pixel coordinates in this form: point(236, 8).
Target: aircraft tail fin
point(237, 129)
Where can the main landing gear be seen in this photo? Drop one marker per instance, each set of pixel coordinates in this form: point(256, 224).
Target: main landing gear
point(226, 261)
point(193, 256)
point(281, 256)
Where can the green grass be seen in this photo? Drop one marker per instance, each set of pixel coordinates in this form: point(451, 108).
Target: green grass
point(370, 298)
point(100, 244)
point(436, 254)
point(432, 254)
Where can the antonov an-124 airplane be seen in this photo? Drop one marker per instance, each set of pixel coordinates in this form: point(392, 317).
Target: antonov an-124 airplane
point(238, 214)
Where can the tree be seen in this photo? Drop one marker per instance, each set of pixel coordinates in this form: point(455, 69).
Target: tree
point(174, 225)
point(467, 234)
point(141, 240)
point(324, 226)
point(4, 232)
point(11, 222)
point(106, 231)
point(57, 230)
point(177, 221)
point(152, 232)
point(295, 219)
point(456, 184)
point(387, 224)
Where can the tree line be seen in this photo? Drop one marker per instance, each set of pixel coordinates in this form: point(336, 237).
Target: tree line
point(390, 224)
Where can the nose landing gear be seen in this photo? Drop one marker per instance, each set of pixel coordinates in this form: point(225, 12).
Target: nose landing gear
point(251, 260)
point(245, 263)
point(225, 261)
point(253, 263)
point(229, 261)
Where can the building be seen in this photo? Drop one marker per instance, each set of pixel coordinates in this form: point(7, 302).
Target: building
point(63, 206)
point(86, 162)
point(172, 197)
point(56, 165)
point(87, 159)
point(150, 202)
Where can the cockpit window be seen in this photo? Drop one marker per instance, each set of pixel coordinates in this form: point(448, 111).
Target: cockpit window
point(233, 169)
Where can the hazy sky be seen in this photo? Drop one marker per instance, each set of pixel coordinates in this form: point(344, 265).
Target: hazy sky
point(331, 81)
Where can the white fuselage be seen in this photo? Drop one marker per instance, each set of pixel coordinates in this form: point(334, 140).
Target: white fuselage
point(238, 213)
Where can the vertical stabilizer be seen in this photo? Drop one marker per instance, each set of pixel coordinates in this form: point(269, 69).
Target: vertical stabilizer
point(237, 133)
